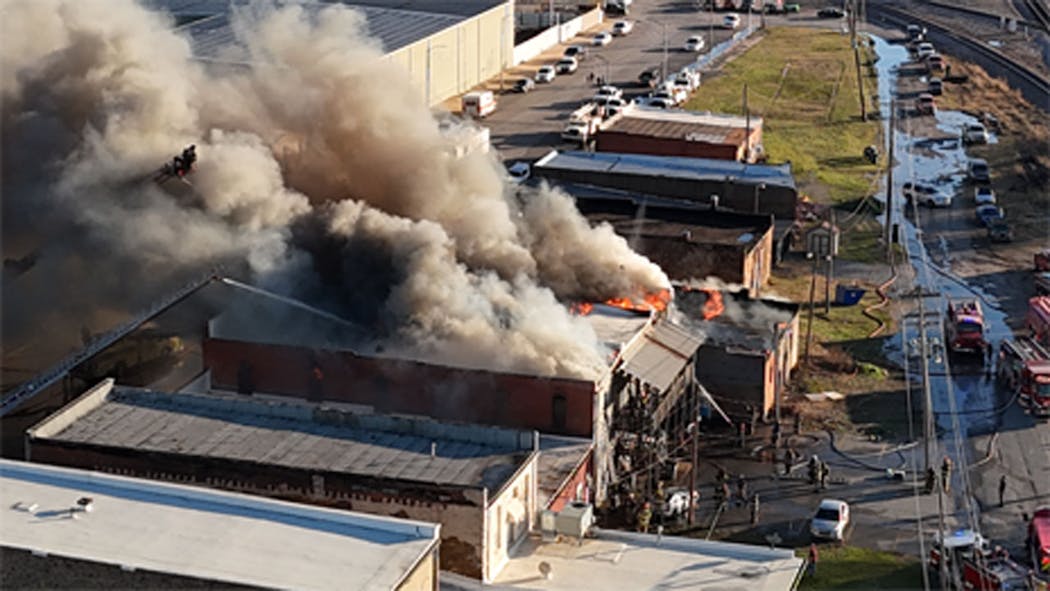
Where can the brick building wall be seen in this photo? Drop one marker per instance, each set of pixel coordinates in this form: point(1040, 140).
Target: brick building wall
point(577, 481)
point(552, 405)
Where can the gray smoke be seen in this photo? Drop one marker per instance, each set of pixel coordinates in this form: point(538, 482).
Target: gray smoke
point(321, 173)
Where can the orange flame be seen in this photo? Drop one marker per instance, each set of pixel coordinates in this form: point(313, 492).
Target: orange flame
point(581, 308)
point(651, 302)
point(713, 306)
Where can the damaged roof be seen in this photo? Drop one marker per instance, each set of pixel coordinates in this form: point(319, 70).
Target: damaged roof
point(659, 354)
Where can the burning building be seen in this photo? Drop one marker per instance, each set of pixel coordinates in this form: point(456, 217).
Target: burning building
point(750, 348)
point(478, 482)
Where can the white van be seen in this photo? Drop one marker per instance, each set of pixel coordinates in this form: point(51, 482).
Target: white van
point(479, 104)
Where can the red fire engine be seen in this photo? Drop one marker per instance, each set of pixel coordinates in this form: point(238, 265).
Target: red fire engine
point(1024, 368)
point(1039, 539)
point(965, 326)
point(1038, 319)
point(971, 562)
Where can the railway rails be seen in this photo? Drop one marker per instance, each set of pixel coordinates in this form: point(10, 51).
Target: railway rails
point(1040, 12)
point(1033, 85)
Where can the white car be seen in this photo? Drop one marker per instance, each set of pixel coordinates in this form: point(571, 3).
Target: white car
point(657, 102)
point(575, 132)
point(673, 93)
point(927, 195)
point(975, 133)
point(566, 65)
point(984, 196)
point(694, 44)
point(519, 172)
point(621, 28)
point(602, 39)
point(924, 50)
point(830, 521)
point(613, 105)
point(731, 21)
point(546, 74)
point(687, 77)
point(606, 92)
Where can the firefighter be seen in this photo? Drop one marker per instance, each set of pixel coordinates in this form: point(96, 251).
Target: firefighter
point(814, 557)
point(644, 516)
point(1002, 489)
point(946, 474)
point(813, 467)
point(931, 480)
point(824, 473)
point(189, 157)
point(741, 489)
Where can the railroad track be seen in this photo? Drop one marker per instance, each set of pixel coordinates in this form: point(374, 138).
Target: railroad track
point(1035, 7)
point(1033, 85)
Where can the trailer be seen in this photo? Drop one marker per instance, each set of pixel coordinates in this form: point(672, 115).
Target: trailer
point(1024, 369)
point(964, 326)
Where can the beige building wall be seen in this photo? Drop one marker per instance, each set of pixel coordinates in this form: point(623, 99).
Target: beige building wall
point(510, 517)
point(459, 58)
point(424, 576)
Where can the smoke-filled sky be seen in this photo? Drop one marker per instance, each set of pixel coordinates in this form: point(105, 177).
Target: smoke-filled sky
point(321, 174)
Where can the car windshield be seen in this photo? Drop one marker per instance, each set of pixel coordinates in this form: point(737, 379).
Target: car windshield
point(827, 515)
point(968, 328)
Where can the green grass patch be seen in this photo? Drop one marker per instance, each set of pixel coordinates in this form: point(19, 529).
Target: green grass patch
point(803, 83)
point(842, 323)
point(850, 567)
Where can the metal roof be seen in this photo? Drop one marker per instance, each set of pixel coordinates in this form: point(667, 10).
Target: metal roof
point(204, 533)
point(292, 435)
point(659, 354)
point(212, 31)
point(687, 125)
point(676, 167)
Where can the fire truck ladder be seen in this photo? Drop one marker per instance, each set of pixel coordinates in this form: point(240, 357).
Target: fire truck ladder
point(48, 377)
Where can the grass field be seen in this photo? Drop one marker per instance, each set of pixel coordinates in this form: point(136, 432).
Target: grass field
point(843, 323)
point(804, 85)
point(850, 567)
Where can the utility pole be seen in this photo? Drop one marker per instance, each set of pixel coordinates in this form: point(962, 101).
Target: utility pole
point(889, 182)
point(856, 59)
point(747, 128)
point(663, 73)
point(829, 263)
point(812, 289)
point(693, 470)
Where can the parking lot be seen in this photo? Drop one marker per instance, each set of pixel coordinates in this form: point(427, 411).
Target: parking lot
point(526, 126)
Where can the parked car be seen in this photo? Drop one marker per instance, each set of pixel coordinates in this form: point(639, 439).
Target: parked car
point(793, 7)
point(519, 172)
point(831, 12)
point(546, 74)
point(524, 85)
point(924, 50)
point(694, 44)
point(575, 132)
point(986, 214)
point(935, 63)
point(657, 102)
point(478, 104)
point(984, 196)
point(621, 28)
point(935, 86)
point(606, 92)
point(925, 105)
point(567, 65)
point(731, 21)
point(831, 520)
point(927, 195)
point(999, 231)
point(650, 77)
point(689, 79)
point(677, 502)
point(613, 106)
point(676, 95)
point(916, 32)
point(576, 52)
point(979, 171)
point(602, 39)
point(975, 133)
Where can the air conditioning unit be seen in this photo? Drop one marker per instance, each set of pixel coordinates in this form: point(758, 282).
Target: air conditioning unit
point(548, 525)
point(575, 519)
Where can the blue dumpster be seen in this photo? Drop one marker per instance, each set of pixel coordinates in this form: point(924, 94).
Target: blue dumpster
point(848, 296)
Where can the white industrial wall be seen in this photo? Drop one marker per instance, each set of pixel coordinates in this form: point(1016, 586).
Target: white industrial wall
point(461, 57)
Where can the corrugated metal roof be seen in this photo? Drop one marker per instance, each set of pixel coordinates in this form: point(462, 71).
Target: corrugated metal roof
point(245, 430)
point(393, 28)
point(687, 125)
point(700, 169)
point(660, 354)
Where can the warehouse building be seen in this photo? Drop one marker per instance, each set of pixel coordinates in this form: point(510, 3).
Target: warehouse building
point(478, 482)
point(740, 187)
point(692, 243)
point(446, 46)
point(71, 529)
point(694, 134)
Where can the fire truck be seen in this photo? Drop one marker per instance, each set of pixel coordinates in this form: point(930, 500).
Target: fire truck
point(1038, 319)
point(964, 326)
point(1024, 368)
point(971, 564)
point(1039, 539)
point(1042, 260)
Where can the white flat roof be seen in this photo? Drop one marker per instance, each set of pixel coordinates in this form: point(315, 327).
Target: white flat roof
point(622, 560)
point(204, 533)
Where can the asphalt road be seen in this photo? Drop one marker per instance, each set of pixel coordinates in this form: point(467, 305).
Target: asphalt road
point(527, 126)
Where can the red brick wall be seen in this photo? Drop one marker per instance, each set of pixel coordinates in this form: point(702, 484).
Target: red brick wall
point(397, 386)
point(567, 492)
point(612, 141)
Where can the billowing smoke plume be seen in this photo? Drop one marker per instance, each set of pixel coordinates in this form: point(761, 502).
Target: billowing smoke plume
point(321, 173)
